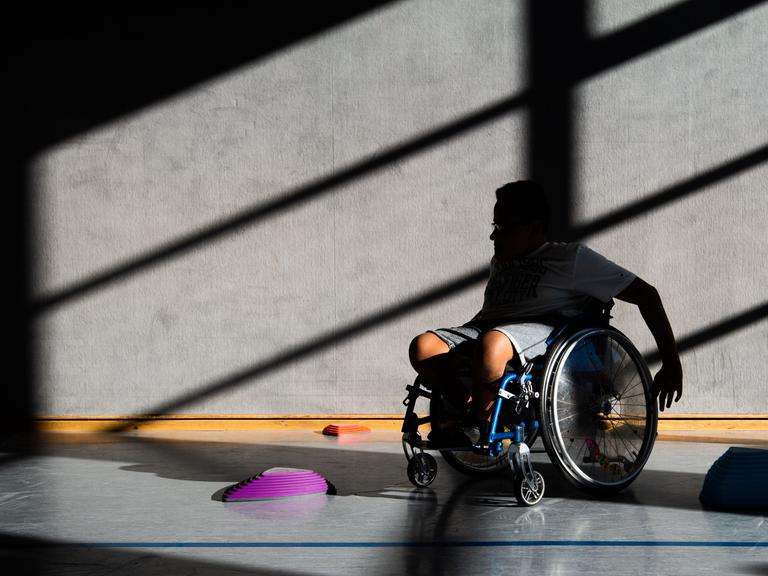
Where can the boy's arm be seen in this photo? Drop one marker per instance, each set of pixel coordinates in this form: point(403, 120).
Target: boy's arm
point(669, 379)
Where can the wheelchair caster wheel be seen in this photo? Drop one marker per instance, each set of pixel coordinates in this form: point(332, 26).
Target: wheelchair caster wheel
point(422, 469)
point(526, 494)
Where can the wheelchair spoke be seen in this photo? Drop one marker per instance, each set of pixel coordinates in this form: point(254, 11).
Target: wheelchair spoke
point(636, 409)
point(588, 355)
point(602, 449)
point(629, 408)
point(630, 399)
point(622, 391)
point(623, 360)
point(639, 383)
point(580, 437)
point(627, 448)
point(631, 396)
point(627, 422)
point(620, 436)
point(592, 461)
point(583, 406)
point(573, 415)
point(628, 458)
point(629, 378)
point(633, 447)
point(623, 448)
point(605, 443)
point(622, 404)
point(581, 451)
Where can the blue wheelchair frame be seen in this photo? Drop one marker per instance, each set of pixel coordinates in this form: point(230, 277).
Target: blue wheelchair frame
point(519, 452)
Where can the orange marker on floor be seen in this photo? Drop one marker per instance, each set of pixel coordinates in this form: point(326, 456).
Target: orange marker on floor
point(340, 429)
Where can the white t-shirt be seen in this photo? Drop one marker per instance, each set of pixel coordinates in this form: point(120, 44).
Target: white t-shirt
point(556, 278)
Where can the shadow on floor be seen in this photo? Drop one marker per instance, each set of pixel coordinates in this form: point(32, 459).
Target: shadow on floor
point(754, 568)
point(364, 469)
point(24, 557)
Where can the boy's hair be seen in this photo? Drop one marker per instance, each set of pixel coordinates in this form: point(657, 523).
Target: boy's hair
point(525, 201)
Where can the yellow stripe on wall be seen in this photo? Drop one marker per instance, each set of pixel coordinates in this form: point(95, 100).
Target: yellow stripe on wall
point(319, 421)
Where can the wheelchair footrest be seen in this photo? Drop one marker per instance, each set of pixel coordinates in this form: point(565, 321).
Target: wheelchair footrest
point(432, 445)
point(464, 448)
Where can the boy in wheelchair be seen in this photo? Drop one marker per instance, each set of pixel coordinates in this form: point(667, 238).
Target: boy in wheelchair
point(535, 286)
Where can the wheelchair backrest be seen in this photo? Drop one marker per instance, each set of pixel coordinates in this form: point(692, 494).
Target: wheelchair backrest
point(597, 315)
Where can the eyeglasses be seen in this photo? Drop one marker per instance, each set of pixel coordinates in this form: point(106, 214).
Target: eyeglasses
point(506, 227)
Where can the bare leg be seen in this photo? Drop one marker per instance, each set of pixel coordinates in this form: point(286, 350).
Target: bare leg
point(429, 357)
point(493, 352)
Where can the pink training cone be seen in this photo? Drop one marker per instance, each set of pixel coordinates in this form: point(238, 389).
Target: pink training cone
point(277, 483)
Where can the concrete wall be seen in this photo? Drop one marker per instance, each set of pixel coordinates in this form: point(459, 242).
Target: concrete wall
point(273, 308)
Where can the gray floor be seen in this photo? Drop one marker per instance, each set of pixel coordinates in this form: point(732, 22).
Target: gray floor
point(144, 504)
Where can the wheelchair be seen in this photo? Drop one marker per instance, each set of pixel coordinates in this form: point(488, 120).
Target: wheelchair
point(588, 397)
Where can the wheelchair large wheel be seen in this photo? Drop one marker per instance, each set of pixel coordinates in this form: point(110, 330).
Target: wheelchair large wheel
point(467, 461)
point(598, 414)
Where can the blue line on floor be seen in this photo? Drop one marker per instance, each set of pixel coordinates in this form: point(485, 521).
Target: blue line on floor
point(442, 544)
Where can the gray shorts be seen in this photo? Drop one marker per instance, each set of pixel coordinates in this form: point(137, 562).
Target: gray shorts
point(528, 338)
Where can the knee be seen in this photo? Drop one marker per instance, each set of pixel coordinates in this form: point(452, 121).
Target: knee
point(424, 347)
point(494, 351)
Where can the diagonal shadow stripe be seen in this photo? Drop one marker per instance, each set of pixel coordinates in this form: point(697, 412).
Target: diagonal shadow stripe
point(606, 52)
point(675, 192)
point(319, 343)
point(688, 342)
point(656, 31)
point(144, 57)
point(290, 199)
point(716, 331)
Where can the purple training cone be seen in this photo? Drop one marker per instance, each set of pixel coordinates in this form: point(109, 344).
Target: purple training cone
point(277, 483)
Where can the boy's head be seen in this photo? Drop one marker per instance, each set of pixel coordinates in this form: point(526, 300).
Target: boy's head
point(520, 218)
point(523, 201)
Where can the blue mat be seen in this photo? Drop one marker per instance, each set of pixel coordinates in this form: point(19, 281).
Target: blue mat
point(738, 480)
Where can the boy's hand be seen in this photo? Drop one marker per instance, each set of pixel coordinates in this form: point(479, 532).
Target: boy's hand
point(668, 382)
